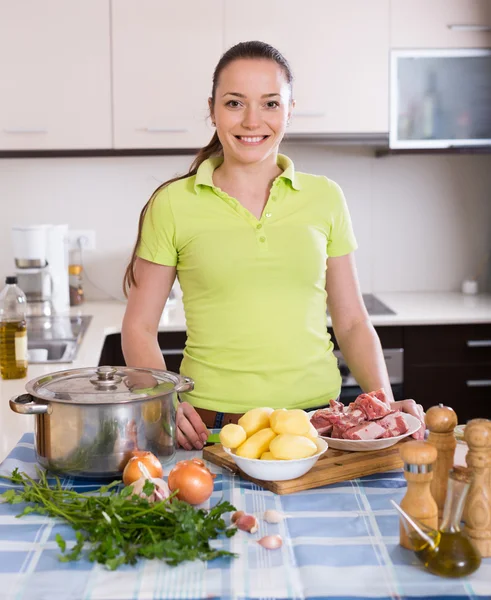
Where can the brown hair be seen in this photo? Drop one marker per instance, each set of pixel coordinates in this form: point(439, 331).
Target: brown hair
point(243, 50)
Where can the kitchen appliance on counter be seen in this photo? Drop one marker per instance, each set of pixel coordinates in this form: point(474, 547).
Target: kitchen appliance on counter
point(41, 260)
point(88, 421)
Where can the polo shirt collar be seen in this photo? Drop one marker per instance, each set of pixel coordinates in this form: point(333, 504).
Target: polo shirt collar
point(204, 175)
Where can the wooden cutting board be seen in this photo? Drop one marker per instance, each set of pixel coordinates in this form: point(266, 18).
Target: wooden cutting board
point(332, 467)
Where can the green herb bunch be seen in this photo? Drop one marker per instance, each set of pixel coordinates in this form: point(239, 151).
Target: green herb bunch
point(118, 527)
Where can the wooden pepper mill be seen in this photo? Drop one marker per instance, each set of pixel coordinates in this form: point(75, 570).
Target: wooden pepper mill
point(419, 458)
point(441, 421)
point(477, 514)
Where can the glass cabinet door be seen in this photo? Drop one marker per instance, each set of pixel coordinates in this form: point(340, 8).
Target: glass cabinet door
point(440, 98)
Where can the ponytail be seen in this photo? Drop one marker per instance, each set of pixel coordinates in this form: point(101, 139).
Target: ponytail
point(214, 148)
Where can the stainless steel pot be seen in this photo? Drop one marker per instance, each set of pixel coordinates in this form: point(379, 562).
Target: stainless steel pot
point(89, 420)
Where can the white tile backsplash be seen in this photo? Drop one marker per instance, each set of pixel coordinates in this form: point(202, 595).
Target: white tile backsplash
point(423, 222)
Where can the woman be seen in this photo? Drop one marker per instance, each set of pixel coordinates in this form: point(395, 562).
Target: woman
point(257, 249)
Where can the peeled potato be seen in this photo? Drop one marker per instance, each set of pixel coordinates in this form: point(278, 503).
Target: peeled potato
point(288, 446)
point(257, 444)
point(255, 419)
point(232, 436)
point(294, 421)
point(312, 433)
point(267, 456)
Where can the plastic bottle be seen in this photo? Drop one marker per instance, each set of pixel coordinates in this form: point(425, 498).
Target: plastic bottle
point(13, 331)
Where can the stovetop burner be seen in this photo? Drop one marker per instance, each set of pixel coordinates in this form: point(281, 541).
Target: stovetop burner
point(376, 306)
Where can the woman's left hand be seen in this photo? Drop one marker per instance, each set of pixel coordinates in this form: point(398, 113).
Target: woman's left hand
point(410, 407)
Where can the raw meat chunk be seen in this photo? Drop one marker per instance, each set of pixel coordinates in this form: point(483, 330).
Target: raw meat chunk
point(365, 431)
point(371, 406)
point(394, 423)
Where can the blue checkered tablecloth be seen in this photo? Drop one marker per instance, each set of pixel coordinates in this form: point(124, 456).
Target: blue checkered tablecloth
point(340, 541)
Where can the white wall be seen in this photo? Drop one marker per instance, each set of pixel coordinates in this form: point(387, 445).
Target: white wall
point(423, 222)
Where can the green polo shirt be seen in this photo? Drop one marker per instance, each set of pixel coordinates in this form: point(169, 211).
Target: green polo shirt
point(253, 290)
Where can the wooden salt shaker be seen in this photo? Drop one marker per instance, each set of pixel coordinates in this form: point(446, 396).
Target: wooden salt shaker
point(477, 515)
point(441, 421)
point(419, 458)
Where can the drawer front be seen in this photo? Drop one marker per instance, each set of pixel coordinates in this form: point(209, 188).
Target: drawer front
point(447, 344)
point(466, 388)
point(172, 340)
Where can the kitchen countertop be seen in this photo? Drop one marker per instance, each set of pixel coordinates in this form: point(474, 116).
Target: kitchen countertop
point(419, 308)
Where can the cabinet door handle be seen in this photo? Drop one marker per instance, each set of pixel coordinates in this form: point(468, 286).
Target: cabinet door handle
point(173, 352)
point(479, 343)
point(164, 130)
point(478, 383)
point(461, 27)
point(24, 130)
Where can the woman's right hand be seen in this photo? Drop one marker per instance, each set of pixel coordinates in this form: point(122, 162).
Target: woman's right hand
point(191, 431)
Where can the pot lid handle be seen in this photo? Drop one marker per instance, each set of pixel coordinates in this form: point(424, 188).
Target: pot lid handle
point(105, 376)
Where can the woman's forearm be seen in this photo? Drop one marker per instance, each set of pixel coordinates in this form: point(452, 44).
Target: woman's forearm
point(141, 349)
point(361, 348)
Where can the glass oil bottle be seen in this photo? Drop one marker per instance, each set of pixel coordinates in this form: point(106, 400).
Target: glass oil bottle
point(13, 331)
point(448, 551)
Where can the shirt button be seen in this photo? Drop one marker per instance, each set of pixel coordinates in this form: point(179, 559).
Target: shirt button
point(259, 226)
point(268, 215)
point(262, 239)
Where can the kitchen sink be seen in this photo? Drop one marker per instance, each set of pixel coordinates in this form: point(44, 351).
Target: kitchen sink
point(55, 339)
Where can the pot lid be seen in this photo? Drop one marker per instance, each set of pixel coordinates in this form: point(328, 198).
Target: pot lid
point(107, 385)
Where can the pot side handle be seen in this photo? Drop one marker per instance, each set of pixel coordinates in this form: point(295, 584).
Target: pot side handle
point(25, 404)
point(186, 386)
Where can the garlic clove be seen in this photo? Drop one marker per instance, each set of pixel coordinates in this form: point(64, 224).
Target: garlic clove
point(236, 515)
point(161, 491)
point(271, 542)
point(273, 516)
point(247, 523)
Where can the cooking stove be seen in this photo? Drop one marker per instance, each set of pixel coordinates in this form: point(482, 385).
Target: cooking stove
point(375, 306)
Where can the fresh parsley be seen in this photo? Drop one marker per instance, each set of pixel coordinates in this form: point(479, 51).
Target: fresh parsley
point(116, 527)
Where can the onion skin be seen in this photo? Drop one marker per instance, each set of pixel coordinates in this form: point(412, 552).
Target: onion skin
point(150, 462)
point(192, 481)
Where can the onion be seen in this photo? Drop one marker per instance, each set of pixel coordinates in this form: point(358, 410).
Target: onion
point(133, 469)
point(192, 481)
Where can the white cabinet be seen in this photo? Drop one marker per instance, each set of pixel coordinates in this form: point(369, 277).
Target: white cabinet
point(339, 53)
point(55, 87)
point(164, 53)
point(440, 24)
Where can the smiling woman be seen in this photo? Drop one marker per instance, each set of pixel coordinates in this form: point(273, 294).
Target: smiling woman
point(258, 249)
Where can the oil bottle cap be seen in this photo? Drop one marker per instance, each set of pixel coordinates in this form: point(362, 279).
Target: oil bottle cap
point(10, 279)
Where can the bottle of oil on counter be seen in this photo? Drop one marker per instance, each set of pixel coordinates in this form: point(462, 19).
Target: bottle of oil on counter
point(13, 331)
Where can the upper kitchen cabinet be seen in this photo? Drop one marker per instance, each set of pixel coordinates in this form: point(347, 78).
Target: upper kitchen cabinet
point(163, 61)
point(440, 23)
point(54, 75)
point(339, 54)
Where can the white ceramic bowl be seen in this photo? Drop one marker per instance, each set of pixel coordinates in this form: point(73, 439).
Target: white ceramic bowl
point(278, 470)
point(365, 445)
